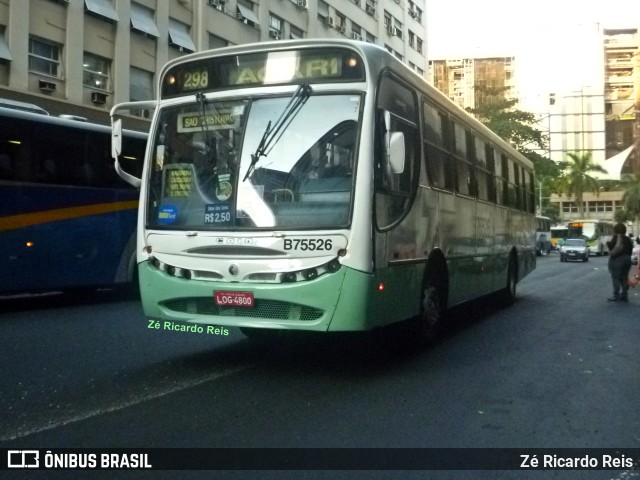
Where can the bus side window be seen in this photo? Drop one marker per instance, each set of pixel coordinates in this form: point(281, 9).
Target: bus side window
point(397, 114)
point(6, 168)
point(437, 156)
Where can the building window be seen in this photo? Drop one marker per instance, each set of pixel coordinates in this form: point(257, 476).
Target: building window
point(141, 85)
point(217, 42)
point(217, 4)
point(323, 11)
point(388, 23)
point(95, 71)
point(44, 57)
point(417, 14)
point(341, 22)
point(356, 31)
point(295, 32)
point(370, 8)
point(412, 39)
point(419, 45)
point(275, 27)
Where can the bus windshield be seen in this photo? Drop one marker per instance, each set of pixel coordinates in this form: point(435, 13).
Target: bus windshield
point(204, 174)
point(586, 230)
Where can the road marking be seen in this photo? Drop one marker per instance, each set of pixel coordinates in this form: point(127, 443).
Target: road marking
point(152, 393)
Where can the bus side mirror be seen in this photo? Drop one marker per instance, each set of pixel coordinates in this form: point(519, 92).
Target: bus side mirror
point(396, 152)
point(116, 139)
point(394, 146)
point(116, 151)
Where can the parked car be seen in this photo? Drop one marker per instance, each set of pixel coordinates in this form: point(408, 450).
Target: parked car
point(574, 249)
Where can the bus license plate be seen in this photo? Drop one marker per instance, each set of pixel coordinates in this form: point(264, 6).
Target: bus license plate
point(234, 299)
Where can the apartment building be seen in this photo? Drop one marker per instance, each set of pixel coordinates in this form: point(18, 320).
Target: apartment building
point(80, 57)
point(622, 95)
point(457, 78)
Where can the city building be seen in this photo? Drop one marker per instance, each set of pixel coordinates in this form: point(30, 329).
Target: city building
point(458, 78)
point(80, 57)
point(622, 97)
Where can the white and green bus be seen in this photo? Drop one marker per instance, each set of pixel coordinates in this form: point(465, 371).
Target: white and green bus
point(322, 186)
point(596, 233)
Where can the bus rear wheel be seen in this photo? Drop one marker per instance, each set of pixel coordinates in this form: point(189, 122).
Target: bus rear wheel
point(509, 293)
point(426, 326)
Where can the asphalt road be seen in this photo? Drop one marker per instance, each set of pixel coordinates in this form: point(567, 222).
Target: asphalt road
point(558, 369)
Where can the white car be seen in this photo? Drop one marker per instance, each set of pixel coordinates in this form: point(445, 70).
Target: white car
point(574, 249)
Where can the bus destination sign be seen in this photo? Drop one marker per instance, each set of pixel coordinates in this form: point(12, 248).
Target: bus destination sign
point(218, 120)
point(263, 68)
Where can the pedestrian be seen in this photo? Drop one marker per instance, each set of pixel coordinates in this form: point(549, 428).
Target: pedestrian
point(620, 248)
point(636, 252)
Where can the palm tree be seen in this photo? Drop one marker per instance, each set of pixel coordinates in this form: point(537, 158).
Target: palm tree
point(631, 198)
point(576, 179)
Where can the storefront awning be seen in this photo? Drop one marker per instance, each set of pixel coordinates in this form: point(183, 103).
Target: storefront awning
point(179, 36)
point(102, 8)
point(5, 53)
point(246, 13)
point(142, 20)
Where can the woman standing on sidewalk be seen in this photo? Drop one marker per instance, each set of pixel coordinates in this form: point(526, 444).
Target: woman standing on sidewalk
point(620, 249)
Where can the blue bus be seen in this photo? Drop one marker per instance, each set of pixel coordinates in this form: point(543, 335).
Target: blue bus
point(66, 219)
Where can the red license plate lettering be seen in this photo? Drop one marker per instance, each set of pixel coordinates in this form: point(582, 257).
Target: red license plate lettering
point(233, 299)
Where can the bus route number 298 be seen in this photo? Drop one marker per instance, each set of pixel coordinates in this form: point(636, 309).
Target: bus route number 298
point(308, 244)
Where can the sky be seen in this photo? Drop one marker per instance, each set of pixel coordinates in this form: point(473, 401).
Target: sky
point(558, 36)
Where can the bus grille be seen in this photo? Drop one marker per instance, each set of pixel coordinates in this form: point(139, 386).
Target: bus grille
point(269, 309)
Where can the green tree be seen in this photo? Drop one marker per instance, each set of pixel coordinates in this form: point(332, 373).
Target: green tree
point(500, 114)
point(576, 178)
point(631, 198)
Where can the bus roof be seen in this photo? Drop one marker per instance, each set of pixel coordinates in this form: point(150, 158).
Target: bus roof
point(22, 106)
point(61, 121)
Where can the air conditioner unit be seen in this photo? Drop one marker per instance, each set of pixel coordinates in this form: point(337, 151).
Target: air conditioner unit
point(46, 87)
point(340, 28)
point(413, 14)
point(98, 98)
point(356, 36)
point(370, 10)
point(302, 4)
point(275, 34)
point(330, 22)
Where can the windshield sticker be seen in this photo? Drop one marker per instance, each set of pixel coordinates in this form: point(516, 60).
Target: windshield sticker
point(224, 189)
point(167, 214)
point(178, 182)
point(217, 214)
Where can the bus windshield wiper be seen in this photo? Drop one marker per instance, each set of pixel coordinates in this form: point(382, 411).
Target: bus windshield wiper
point(201, 99)
point(272, 134)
